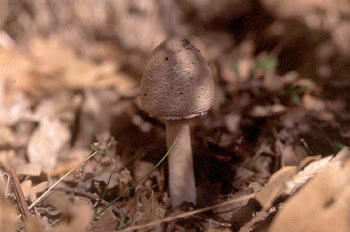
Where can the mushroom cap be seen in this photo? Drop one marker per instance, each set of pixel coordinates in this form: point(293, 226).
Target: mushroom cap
point(176, 83)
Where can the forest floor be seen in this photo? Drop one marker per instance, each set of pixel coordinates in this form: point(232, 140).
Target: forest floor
point(77, 153)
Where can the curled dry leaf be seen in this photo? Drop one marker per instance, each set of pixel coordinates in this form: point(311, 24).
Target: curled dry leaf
point(275, 186)
point(321, 204)
point(287, 180)
point(308, 172)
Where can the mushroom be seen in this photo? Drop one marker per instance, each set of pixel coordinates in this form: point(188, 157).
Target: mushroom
point(177, 86)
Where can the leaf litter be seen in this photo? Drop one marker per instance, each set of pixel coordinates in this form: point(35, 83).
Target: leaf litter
point(272, 140)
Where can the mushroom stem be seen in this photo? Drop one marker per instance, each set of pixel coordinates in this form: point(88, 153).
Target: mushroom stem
point(182, 186)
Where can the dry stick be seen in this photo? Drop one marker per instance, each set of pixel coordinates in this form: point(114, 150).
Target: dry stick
point(23, 206)
point(187, 214)
point(84, 194)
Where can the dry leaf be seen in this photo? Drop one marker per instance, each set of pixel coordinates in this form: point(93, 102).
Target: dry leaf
point(51, 57)
point(8, 215)
point(33, 225)
point(287, 180)
point(47, 142)
point(36, 189)
point(7, 136)
point(62, 105)
point(308, 172)
point(14, 106)
point(30, 169)
point(232, 121)
point(141, 169)
point(148, 210)
point(30, 191)
point(68, 164)
point(26, 185)
point(275, 186)
point(322, 205)
point(259, 217)
point(268, 111)
point(75, 216)
point(107, 222)
point(15, 70)
point(313, 103)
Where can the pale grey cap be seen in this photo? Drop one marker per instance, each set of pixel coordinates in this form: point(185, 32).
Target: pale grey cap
point(176, 82)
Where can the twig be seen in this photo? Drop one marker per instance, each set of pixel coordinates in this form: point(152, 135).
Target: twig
point(23, 206)
point(84, 194)
point(187, 214)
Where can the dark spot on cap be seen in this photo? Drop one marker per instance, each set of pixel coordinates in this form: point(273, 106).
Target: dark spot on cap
point(166, 58)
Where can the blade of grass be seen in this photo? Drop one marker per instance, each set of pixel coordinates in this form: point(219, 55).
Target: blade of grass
point(139, 181)
point(103, 194)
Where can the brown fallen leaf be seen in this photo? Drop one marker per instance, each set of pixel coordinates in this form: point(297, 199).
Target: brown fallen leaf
point(148, 209)
point(75, 216)
point(65, 166)
point(304, 175)
point(47, 142)
point(259, 217)
point(33, 225)
point(8, 215)
point(51, 57)
point(275, 186)
point(14, 106)
point(30, 169)
point(107, 222)
point(288, 179)
point(268, 111)
point(322, 205)
point(26, 185)
point(36, 189)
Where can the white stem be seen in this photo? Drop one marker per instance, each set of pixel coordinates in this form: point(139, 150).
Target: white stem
point(182, 186)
